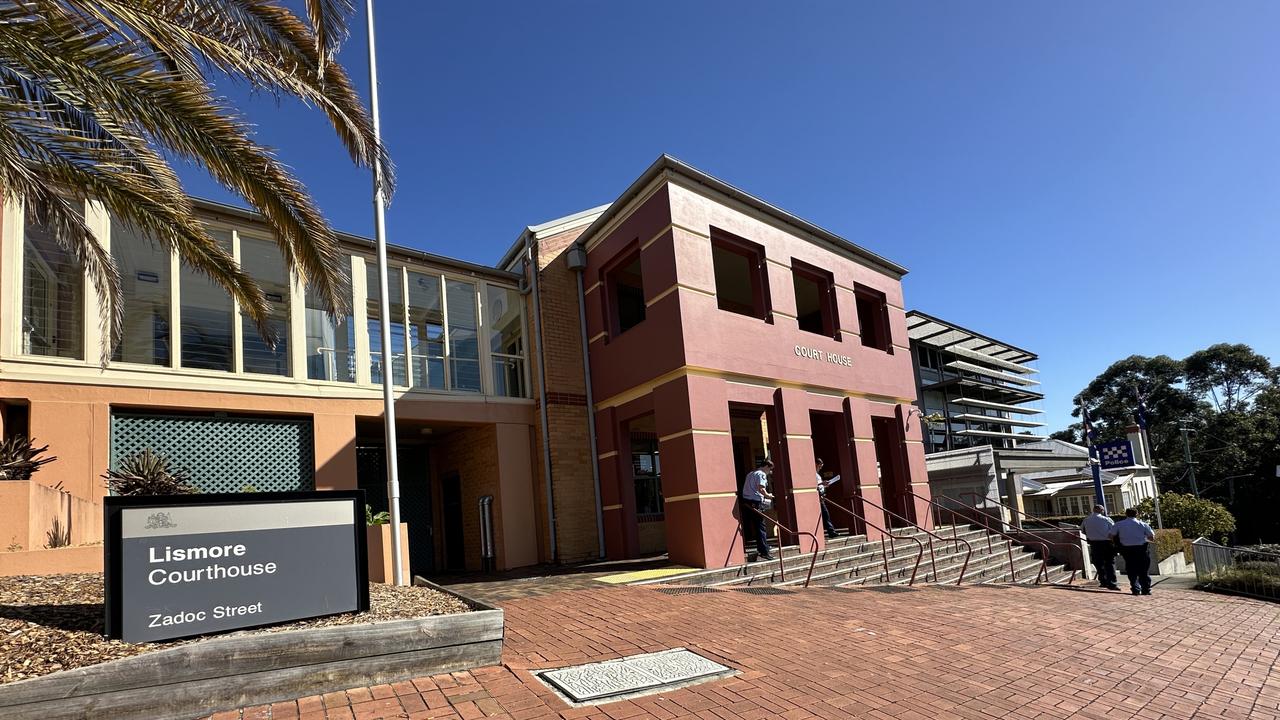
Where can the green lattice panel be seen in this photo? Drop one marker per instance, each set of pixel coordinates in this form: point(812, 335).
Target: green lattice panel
point(223, 454)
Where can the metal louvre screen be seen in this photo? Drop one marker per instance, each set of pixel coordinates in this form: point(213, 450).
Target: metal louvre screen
point(223, 454)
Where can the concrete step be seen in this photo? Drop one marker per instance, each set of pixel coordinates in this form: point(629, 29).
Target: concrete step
point(797, 567)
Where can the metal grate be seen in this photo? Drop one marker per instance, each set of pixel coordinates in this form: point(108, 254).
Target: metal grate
point(763, 591)
point(691, 590)
point(223, 454)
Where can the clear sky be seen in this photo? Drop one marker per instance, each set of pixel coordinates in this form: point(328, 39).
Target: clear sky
point(1086, 181)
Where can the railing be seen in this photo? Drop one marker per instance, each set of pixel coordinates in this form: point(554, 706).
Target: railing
point(885, 548)
point(1050, 527)
point(1237, 571)
point(933, 558)
point(782, 571)
point(1043, 573)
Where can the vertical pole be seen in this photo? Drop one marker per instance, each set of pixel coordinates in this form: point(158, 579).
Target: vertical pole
point(1099, 496)
point(388, 362)
point(1191, 467)
point(1147, 457)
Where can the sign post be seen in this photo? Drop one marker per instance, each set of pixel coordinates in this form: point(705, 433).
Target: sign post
point(184, 565)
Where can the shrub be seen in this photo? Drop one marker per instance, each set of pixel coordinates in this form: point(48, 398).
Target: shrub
point(1249, 579)
point(148, 473)
point(1187, 553)
point(20, 458)
point(1168, 542)
point(372, 518)
point(1195, 517)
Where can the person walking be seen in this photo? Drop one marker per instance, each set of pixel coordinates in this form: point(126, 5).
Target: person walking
point(827, 525)
point(1133, 536)
point(1102, 550)
point(755, 491)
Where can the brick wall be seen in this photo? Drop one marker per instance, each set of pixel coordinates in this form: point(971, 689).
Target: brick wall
point(471, 453)
point(571, 462)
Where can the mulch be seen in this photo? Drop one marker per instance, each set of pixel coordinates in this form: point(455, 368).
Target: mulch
point(55, 622)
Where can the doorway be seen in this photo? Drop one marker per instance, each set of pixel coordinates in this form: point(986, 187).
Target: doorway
point(415, 496)
point(891, 467)
point(455, 557)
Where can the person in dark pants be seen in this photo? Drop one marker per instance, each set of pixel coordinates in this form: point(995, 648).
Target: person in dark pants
point(827, 525)
point(1102, 550)
point(1133, 535)
point(755, 491)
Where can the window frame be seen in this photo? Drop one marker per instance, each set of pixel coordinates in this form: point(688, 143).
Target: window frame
point(757, 265)
point(863, 294)
point(827, 305)
point(608, 280)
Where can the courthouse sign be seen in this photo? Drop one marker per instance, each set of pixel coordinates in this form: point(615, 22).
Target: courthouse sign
point(192, 564)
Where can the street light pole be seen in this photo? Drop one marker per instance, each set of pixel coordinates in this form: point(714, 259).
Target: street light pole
point(388, 363)
point(1191, 468)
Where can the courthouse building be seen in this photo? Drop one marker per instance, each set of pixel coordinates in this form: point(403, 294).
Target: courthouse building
point(600, 391)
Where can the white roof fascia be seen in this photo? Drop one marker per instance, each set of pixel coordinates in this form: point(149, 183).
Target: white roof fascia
point(970, 402)
point(997, 420)
point(983, 357)
point(962, 365)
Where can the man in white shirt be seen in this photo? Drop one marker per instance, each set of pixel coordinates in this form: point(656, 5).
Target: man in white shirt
point(1102, 551)
point(755, 490)
point(1133, 535)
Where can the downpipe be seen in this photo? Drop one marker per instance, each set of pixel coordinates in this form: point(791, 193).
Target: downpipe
point(577, 258)
point(542, 397)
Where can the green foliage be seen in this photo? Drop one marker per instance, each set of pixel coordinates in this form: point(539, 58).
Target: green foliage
point(148, 473)
point(1258, 579)
point(20, 458)
point(370, 518)
point(1229, 375)
point(1195, 517)
point(1168, 543)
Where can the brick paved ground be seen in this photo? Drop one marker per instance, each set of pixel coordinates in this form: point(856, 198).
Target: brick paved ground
point(976, 652)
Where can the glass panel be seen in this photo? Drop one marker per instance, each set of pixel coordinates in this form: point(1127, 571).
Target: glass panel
point(426, 331)
point(263, 261)
point(464, 346)
point(206, 316)
point(144, 288)
point(395, 295)
point(331, 347)
point(52, 296)
point(506, 341)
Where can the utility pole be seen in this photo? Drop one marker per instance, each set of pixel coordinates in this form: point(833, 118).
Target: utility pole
point(1191, 468)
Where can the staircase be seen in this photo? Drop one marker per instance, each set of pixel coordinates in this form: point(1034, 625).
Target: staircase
point(853, 560)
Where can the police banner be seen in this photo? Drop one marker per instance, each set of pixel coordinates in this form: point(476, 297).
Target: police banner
point(187, 565)
point(1115, 454)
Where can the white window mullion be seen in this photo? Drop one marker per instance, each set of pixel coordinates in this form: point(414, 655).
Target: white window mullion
point(360, 316)
point(297, 327)
point(12, 265)
point(175, 311)
point(237, 326)
point(95, 307)
point(444, 323)
point(404, 318)
point(482, 338)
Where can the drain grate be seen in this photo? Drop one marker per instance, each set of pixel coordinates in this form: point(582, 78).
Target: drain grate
point(630, 676)
point(890, 589)
point(691, 590)
point(763, 591)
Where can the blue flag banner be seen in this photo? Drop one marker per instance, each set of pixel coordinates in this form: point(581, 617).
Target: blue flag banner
point(1115, 454)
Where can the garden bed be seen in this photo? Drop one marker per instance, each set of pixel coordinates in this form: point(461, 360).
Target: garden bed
point(54, 622)
point(56, 663)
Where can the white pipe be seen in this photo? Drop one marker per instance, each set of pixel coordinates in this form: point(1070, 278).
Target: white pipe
point(388, 363)
point(591, 413)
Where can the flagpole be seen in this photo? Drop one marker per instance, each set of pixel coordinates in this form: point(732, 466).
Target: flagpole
point(388, 362)
point(1148, 454)
point(1099, 496)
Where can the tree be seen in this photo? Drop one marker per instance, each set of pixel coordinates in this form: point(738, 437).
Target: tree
point(95, 95)
point(1112, 403)
point(1230, 375)
point(1195, 517)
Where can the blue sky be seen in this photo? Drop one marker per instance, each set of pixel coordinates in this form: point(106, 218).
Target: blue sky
point(1087, 181)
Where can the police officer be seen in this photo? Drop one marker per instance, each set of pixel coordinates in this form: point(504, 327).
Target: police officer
point(1102, 551)
point(1133, 536)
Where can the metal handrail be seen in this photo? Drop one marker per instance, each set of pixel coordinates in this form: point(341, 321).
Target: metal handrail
point(782, 572)
point(1013, 572)
point(884, 547)
point(1016, 512)
point(933, 558)
point(1033, 531)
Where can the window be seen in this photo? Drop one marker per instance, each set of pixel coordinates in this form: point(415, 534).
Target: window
point(395, 298)
point(873, 318)
point(506, 340)
point(815, 300)
point(463, 328)
point(262, 259)
point(741, 286)
point(624, 285)
point(647, 473)
point(52, 296)
point(206, 317)
point(331, 346)
point(144, 290)
point(426, 331)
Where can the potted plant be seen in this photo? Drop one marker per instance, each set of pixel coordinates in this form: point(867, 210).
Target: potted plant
point(379, 546)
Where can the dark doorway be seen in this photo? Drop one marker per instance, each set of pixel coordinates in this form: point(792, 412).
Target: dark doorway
point(455, 557)
point(415, 497)
point(831, 444)
point(891, 464)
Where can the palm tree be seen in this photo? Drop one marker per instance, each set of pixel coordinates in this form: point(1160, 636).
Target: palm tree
point(95, 95)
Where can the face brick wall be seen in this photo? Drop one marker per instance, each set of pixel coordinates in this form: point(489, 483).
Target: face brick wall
point(571, 461)
point(471, 452)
